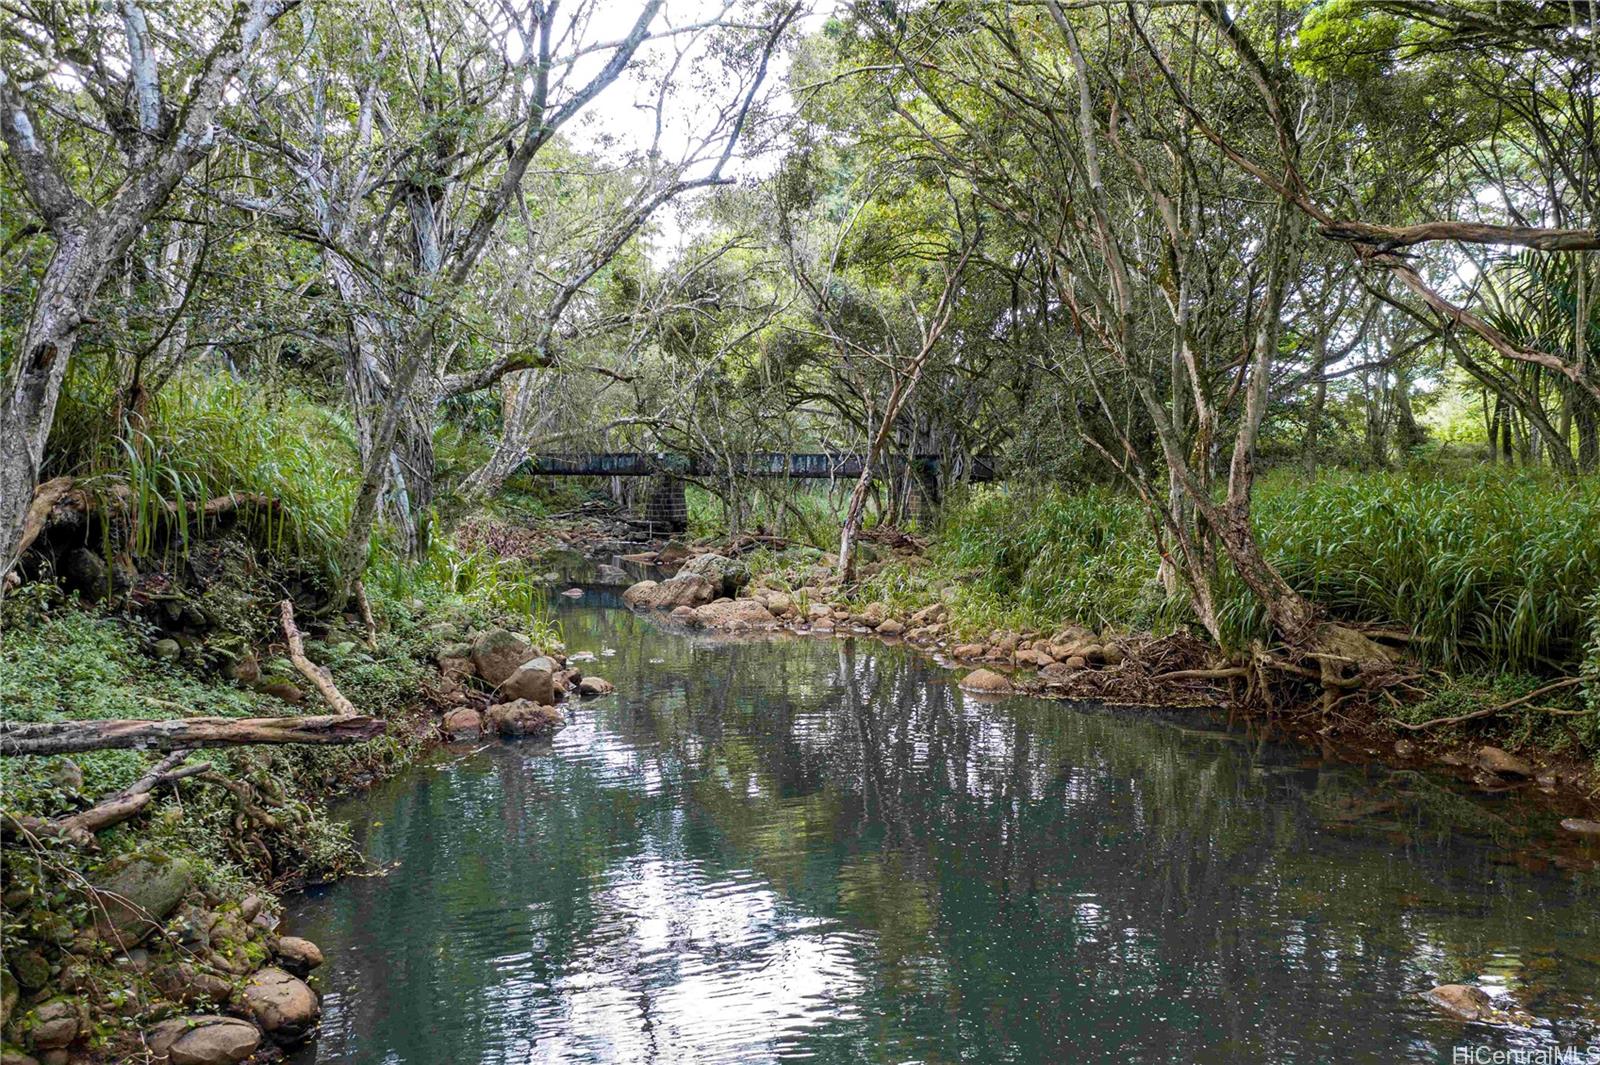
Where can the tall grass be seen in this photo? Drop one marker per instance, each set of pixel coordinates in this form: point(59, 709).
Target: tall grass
point(489, 587)
point(204, 437)
point(1483, 567)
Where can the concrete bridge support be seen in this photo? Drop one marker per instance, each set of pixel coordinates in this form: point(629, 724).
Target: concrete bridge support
point(666, 510)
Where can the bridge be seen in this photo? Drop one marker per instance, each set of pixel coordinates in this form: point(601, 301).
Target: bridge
point(817, 466)
point(667, 509)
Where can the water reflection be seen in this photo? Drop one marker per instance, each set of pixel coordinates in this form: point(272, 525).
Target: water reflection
point(775, 851)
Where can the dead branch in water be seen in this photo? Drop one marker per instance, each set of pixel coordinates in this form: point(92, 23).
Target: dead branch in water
point(317, 675)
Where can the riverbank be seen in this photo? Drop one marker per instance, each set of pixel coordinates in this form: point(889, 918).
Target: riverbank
point(151, 932)
point(1422, 718)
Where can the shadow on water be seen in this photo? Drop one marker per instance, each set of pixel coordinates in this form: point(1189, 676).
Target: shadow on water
point(806, 849)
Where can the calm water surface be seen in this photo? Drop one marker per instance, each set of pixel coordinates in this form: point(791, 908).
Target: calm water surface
point(819, 850)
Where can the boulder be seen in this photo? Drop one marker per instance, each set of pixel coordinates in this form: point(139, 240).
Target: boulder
point(728, 574)
point(523, 718)
point(1036, 659)
point(1581, 826)
point(534, 681)
point(1502, 762)
point(1112, 655)
point(968, 650)
point(1056, 673)
point(1004, 646)
point(818, 610)
point(455, 660)
point(928, 615)
point(299, 956)
point(203, 1040)
point(986, 681)
point(735, 614)
point(684, 615)
point(1462, 1001)
point(497, 654)
point(33, 971)
point(822, 625)
point(135, 893)
point(890, 627)
point(166, 649)
point(639, 596)
point(282, 1005)
point(595, 686)
point(462, 724)
point(10, 994)
point(780, 603)
point(1076, 662)
point(183, 982)
point(684, 589)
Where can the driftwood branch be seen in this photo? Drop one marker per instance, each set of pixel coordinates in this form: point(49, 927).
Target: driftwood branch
point(1490, 711)
point(317, 675)
point(115, 808)
point(67, 737)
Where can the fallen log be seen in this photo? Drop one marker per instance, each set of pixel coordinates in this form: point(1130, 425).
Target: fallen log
point(68, 737)
point(317, 675)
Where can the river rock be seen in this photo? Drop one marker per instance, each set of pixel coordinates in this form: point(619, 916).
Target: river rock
point(595, 686)
point(1463, 1001)
point(728, 574)
point(497, 654)
point(638, 596)
point(780, 603)
point(872, 615)
point(166, 649)
point(1582, 826)
point(684, 589)
point(683, 615)
point(928, 615)
point(186, 983)
point(136, 892)
point(203, 1040)
point(735, 614)
point(33, 971)
point(1502, 762)
point(523, 718)
point(822, 625)
point(299, 956)
point(890, 627)
point(534, 680)
point(461, 724)
point(281, 1004)
point(985, 681)
point(1036, 659)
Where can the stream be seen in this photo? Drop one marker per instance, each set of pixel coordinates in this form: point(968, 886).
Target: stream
point(785, 849)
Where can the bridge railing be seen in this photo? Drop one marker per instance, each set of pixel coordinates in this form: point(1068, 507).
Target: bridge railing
point(800, 465)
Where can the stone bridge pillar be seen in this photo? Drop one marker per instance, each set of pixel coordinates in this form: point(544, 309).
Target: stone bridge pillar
point(666, 510)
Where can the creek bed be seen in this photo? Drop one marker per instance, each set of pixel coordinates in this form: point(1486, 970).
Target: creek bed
point(784, 849)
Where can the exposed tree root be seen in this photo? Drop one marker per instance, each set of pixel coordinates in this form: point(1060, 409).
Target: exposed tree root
point(317, 675)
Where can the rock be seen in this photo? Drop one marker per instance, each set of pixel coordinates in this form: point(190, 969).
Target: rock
point(611, 576)
point(281, 689)
point(986, 681)
point(55, 1023)
point(968, 650)
point(928, 615)
point(462, 724)
point(1076, 662)
point(534, 681)
point(10, 994)
point(281, 1004)
point(203, 1040)
point(1036, 659)
point(185, 983)
point(819, 610)
point(1502, 762)
point(822, 625)
point(497, 654)
point(298, 956)
point(455, 660)
point(136, 892)
point(166, 649)
point(1004, 646)
point(890, 627)
point(728, 574)
point(595, 686)
point(1581, 826)
point(639, 596)
point(684, 589)
point(872, 615)
point(1461, 1000)
point(735, 614)
point(684, 614)
point(1404, 748)
point(1056, 673)
point(33, 972)
point(10, 1055)
point(523, 718)
point(1112, 655)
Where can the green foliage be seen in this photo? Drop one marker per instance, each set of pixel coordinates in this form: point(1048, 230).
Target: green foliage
point(477, 586)
point(1483, 567)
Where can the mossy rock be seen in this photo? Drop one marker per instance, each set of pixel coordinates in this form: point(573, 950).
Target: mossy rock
point(137, 892)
